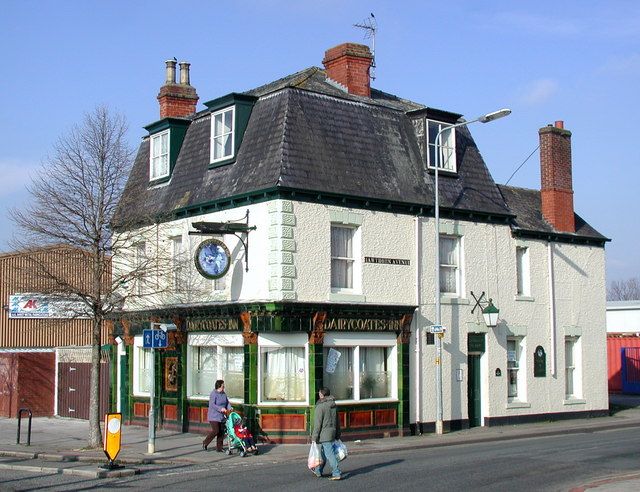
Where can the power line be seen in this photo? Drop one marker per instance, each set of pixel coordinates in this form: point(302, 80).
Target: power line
point(523, 162)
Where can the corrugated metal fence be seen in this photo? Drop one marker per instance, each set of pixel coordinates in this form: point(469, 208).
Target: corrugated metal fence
point(615, 344)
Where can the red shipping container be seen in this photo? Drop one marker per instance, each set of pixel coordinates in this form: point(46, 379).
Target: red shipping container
point(616, 342)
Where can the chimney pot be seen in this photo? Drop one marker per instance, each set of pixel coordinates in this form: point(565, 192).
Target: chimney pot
point(559, 124)
point(177, 100)
point(184, 73)
point(171, 72)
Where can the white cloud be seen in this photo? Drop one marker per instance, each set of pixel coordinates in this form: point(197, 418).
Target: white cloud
point(538, 92)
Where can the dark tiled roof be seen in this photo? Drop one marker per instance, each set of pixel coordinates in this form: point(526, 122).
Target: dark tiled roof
point(307, 134)
point(526, 205)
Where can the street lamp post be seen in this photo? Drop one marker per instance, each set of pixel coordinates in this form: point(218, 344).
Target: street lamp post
point(482, 119)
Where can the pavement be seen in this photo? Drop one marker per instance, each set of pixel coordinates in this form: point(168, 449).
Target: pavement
point(58, 445)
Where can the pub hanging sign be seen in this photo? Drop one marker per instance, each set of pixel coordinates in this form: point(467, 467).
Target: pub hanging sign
point(212, 259)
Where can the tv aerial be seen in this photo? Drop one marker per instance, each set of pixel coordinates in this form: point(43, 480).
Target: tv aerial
point(369, 26)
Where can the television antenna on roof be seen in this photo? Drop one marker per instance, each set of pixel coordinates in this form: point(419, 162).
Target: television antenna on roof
point(370, 26)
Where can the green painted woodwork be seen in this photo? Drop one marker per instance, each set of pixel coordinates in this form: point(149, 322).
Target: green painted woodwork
point(403, 385)
point(474, 402)
point(243, 107)
point(177, 130)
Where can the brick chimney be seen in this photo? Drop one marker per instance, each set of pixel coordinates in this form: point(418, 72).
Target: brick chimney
point(349, 64)
point(177, 100)
point(555, 170)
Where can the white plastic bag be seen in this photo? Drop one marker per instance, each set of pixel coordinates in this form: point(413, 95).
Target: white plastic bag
point(315, 456)
point(340, 449)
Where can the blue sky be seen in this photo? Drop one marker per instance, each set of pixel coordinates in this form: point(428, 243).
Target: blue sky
point(577, 61)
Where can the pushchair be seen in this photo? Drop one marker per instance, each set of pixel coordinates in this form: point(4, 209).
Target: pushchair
point(233, 440)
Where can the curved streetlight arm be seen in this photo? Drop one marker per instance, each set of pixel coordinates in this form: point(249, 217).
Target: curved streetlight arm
point(438, 321)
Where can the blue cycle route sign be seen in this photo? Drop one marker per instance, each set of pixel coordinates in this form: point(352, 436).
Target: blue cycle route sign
point(154, 339)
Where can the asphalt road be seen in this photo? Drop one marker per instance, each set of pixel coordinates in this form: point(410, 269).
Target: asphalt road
point(553, 463)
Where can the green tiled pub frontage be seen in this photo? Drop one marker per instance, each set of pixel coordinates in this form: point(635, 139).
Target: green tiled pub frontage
point(289, 422)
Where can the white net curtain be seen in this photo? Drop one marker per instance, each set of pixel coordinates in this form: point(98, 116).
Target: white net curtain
point(283, 373)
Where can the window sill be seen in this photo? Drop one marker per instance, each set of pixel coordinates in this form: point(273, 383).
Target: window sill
point(524, 298)
point(283, 403)
point(346, 297)
point(222, 162)
point(141, 395)
point(453, 300)
point(367, 401)
point(518, 404)
point(158, 182)
point(574, 401)
point(442, 172)
point(197, 398)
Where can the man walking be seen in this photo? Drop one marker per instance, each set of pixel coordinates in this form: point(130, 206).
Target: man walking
point(326, 429)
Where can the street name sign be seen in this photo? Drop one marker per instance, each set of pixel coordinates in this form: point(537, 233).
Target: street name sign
point(437, 329)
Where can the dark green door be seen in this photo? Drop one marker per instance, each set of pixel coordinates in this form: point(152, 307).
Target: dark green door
point(473, 390)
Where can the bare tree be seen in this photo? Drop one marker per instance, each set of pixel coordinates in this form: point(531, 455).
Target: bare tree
point(73, 200)
point(624, 290)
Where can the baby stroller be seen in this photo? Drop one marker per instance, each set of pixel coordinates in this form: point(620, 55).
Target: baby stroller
point(235, 441)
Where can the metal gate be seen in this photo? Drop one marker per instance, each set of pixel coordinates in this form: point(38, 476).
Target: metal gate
point(631, 370)
point(74, 381)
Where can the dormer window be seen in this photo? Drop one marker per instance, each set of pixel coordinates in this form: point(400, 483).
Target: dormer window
point(159, 164)
point(229, 119)
point(446, 146)
point(222, 134)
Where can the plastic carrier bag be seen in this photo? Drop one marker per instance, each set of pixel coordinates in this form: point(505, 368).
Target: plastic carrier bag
point(340, 449)
point(315, 456)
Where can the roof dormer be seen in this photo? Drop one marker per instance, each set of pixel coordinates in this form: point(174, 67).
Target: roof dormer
point(165, 140)
point(229, 119)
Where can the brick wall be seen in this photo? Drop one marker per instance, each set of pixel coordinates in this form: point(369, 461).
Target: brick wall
point(556, 178)
point(349, 64)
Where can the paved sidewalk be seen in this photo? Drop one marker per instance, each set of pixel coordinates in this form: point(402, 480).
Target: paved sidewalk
point(65, 440)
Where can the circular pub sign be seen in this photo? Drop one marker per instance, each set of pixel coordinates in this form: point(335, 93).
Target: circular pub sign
point(212, 259)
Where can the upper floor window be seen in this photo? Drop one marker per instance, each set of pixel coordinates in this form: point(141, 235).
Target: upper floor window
point(450, 272)
point(446, 146)
point(140, 266)
point(178, 265)
point(342, 258)
point(222, 135)
point(522, 271)
point(159, 165)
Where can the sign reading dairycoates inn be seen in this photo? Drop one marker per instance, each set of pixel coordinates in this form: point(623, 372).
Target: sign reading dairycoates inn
point(43, 306)
point(362, 324)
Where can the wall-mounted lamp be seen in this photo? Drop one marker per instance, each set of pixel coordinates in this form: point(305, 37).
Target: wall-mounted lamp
point(489, 311)
point(490, 315)
point(118, 339)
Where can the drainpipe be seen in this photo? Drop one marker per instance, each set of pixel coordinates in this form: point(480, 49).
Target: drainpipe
point(418, 351)
point(552, 308)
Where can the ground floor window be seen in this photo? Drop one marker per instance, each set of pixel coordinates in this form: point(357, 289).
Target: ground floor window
point(360, 366)
point(283, 368)
point(515, 370)
point(215, 356)
point(571, 361)
point(142, 364)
